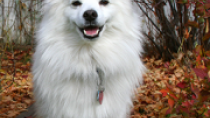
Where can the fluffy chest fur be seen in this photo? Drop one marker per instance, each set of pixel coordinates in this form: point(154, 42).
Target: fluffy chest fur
point(65, 79)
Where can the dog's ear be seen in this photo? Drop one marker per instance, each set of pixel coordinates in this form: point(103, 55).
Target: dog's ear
point(136, 8)
point(46, 5)
point(49, 6)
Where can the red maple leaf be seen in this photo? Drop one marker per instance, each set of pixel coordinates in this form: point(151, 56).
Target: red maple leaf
point(182, 85)
point(166, 65)
point(186, 104)
point(169, 111)
point(201, 72)
point(184, 109)
point(195, 90)
point(173, 96)
point(171, 102)
point(165, 92)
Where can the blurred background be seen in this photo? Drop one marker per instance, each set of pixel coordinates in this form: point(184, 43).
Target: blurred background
point(169, 25)
point(19, 19)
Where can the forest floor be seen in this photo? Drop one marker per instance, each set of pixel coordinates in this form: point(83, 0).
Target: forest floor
point(171, 89)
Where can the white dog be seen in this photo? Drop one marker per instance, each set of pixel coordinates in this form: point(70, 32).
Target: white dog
point(86, 63)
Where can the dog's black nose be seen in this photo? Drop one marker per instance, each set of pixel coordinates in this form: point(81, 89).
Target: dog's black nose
point(90, 15)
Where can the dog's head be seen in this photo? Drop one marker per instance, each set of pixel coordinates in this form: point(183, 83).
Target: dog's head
point(89, 16)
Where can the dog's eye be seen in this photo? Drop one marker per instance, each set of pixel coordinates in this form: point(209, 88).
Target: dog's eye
point(104, 2)
point(76, 3)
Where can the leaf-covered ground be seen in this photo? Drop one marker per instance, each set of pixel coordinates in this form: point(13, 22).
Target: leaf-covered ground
point(175, 89)
point(15, 83)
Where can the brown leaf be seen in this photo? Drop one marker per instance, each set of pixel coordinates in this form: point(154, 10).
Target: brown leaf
point(24, 6)
point(206, 36)
point(20, 28)
point(207, 5)
point(192, 23)
point(12, 113)
point(186, 34)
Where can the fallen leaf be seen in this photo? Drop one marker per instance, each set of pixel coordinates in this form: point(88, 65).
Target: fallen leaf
point(201, 72)
point(171, 102)
point(182, 85)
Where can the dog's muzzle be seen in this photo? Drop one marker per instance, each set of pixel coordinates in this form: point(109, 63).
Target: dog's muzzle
point(91, 30)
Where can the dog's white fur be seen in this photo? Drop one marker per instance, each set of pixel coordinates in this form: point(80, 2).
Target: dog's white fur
point(65, 77)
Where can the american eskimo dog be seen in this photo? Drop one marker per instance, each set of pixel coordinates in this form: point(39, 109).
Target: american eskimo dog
point(86, 62)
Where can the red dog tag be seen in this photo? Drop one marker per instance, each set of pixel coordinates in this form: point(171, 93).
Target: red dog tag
point(100, 96)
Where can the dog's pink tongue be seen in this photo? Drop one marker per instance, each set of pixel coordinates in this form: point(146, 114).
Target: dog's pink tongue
point(91, 31)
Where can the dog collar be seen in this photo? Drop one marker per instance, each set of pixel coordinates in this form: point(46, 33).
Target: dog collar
point(101, 85)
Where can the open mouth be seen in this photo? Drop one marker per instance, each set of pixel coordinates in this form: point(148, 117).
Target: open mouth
point(91, 32)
